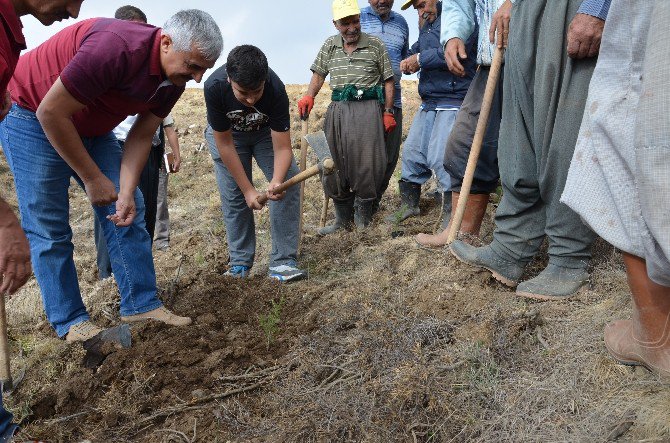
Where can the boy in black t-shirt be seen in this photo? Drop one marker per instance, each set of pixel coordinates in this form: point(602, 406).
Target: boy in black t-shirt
point(248, 116)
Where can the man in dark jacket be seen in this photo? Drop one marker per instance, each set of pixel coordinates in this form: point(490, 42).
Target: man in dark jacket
point(442, 94)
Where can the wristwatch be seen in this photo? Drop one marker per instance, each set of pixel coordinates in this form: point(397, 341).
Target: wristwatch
point(389, 111)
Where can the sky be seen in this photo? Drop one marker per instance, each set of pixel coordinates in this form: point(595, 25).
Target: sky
point(289, 32)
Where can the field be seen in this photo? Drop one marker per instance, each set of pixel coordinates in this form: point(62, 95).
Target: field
point(384, 342)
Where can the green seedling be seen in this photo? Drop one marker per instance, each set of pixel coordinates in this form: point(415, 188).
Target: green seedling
point(199, 259)
point(270, 322)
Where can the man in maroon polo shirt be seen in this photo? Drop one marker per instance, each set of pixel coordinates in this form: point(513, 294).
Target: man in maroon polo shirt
point(68, 94)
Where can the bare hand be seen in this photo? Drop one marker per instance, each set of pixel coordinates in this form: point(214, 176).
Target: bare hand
point(125, 210)
point(176, 163)
point(251, 198)
point(100, 191)
point(500, 24)
point(6, 106)
point(410, 65)
point(271, 195)
point(454, 52)
point(584, 36)
point(15, 266)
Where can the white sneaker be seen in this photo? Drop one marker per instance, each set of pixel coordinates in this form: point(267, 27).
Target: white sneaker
point(287, 273)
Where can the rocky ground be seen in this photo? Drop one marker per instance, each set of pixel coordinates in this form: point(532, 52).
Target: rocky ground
point(384, 342)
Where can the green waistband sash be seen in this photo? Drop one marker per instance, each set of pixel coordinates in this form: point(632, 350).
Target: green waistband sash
point(351, 93)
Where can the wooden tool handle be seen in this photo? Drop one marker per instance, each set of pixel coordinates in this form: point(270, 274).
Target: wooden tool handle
point(303, 166)
point(324, 211)
point(5, 374)
point(304, 175)
point(491, 83)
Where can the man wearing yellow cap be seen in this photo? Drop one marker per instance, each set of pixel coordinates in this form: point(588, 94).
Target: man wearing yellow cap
point(361, 79)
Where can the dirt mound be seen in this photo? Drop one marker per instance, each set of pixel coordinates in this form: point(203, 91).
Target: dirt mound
point(384, 342)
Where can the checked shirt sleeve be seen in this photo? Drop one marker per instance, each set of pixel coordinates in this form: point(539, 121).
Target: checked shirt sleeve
point(595, 8)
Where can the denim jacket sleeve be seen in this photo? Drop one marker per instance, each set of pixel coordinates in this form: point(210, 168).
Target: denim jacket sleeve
point(458, 20)
point(432, 59)
point(414, 49)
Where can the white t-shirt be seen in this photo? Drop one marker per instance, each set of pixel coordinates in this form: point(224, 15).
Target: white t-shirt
point(122, 130)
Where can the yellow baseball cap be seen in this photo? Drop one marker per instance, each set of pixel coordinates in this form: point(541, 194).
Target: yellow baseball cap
point(345, 8)
point(407, 4)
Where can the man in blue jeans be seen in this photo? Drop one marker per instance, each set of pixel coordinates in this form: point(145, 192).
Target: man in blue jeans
point(60, 127)
point(441, 94)
point(248, 116)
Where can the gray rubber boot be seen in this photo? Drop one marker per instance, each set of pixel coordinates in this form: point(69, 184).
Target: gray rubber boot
point(364, 213)
point(344, 217)
point(410, 193)
point(554, 283)
point(506, 272)
point(446, 209)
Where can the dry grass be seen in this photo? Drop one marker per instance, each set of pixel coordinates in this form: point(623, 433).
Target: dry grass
point(385, 342)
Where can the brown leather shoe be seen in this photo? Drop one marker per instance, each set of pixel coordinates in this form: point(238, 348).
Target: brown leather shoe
point(161, 314)
point(82, 332)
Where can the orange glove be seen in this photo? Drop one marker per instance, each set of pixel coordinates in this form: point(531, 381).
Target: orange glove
point(305, 106)
point(389, 122)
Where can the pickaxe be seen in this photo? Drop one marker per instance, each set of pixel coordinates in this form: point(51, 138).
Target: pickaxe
point(319, 144)
point(326, 165)
point(104, 343)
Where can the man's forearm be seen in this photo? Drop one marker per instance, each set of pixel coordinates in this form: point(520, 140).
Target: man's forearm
point(55, 115)
point(283, 155)
point(63, 136)
point(315, 84)
point(173, 139)
point(7, 217)
point(389, 89)
point(135, 155)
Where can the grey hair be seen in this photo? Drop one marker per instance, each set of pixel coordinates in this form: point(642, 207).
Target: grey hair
point(193, 28)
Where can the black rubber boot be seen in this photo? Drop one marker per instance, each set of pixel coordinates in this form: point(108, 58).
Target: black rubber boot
point(344, 217)
point(364, 213)
point(410, 193)
point(446, 209)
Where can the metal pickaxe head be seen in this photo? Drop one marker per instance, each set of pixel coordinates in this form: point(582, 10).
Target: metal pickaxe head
point(319, 144)
point(105, 343)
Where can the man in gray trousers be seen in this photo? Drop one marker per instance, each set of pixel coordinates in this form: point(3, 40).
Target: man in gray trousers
point(545, 87)
point(248, 116)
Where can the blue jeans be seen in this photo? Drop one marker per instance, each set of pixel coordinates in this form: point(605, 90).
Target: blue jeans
point(423, 151)
point(7, 428)
point(42, 180)
point(149, 188)
point(239, 219)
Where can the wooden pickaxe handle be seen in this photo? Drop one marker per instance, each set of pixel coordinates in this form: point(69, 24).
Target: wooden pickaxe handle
point(328, 165)
point(5, 374)
point(303, 166)
point(477, 141)
point(324, 211)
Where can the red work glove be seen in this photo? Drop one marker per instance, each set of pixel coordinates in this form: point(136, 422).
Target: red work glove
point(389, 122)
point(305, 106)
